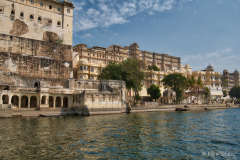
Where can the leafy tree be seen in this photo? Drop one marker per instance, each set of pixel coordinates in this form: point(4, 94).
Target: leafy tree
point(129, 71)
point(154, 92)
point(206, 92)
point(235, 92)
point(177, 83)
point(224, 93)
point(153, 67)
point(132, 74)
point(112, 71)
point(191, 84)
point(224, 82)
point(199, 86)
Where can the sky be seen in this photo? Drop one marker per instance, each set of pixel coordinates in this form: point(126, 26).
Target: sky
point(200, 32)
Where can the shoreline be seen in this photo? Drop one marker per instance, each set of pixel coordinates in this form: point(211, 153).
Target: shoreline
point(55, 112)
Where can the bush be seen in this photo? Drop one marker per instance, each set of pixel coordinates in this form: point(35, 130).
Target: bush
point(138, 98)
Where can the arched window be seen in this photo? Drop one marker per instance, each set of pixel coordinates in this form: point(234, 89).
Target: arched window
point(21, 14)
point(40, 19)
point(12, 12)
point(36, 84)
point(31, 17)
point(58, 23)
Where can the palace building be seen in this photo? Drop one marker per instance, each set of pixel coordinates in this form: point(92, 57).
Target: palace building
point(37, 61)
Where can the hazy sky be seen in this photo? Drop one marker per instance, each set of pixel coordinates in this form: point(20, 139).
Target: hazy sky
point(198, 31)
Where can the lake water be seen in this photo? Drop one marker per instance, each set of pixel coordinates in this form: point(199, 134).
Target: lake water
point(213, 134)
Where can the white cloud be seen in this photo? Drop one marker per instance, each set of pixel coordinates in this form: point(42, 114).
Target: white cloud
point(85, 35)
point(104, 13)
point(220, 60)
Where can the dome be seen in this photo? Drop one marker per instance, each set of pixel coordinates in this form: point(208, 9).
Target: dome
point(210, 68)
point(236, 72)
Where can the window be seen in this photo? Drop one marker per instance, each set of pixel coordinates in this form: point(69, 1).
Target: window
point(41, 4)
point(81, 77)
point(22, 0)
point(58, 23)
point(32, 1)
point(31, 17)
point(68, 10)
point(50, 7)
point(85, 68)
point(59, 9)
point(21, 14)
point(92, 69)
point(1, 9)
point(92, 77)
point(49, 22)
point(39, 19)
point(81, 68)
point(12, 12)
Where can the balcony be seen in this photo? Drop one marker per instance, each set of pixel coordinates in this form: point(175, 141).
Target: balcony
point(25, 89)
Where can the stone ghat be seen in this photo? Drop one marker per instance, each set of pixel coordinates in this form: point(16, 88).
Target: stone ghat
point(55, 112)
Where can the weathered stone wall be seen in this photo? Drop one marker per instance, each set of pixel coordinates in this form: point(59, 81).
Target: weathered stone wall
point(35, 59)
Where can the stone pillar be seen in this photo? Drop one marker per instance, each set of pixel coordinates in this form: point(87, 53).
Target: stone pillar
point(19, 102)
point(29, 100)
point(46, 100)
point(61, 102)
point(54, 102)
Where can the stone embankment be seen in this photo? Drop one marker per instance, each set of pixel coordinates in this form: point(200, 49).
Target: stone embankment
point(54, 112)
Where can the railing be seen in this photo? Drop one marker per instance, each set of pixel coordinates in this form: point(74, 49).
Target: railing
point(25, 89)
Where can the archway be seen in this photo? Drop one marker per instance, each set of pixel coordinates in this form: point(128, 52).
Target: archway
point(50, 102)
point(24, 102)
point(58, 102)
point(65, 102)
point(43, 101)
point(15, 101)
point(5, 99)
point(33, 102)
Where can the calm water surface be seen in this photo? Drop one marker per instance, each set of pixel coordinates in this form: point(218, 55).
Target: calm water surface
point(162, 135)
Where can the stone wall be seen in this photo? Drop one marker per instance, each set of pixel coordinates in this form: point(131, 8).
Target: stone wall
point(35, 59)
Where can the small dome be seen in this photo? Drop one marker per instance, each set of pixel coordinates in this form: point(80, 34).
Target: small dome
point(236, 72)
point(210, 68)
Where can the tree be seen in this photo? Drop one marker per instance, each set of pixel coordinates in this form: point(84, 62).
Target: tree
point(206, 92)
point(154, 92)
point(224, 82)
point(199, 86)
point(112, 71)
point(177, 83)
point(133, 75)
point(191, 84)
point(224, 93)
point(130, 71)
point(153, 67)
point(235, 92)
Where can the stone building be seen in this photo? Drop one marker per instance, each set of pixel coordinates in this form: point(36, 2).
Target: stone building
point(232, 78)
point(116, 53)
point(37, 19)
point(37, 61)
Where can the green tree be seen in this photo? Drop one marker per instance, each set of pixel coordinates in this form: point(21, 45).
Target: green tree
point(199, 87)
point(191, 85)
point(153, 67)
point(206, 92)
point(133, 75)
point(235, 92)
point(177, 83)
point(224, 93)
point(224, 82)
point(130, 71)
point(112, 71)
point(154, 92)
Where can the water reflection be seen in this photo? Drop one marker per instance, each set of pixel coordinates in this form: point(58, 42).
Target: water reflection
point(162, 135)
